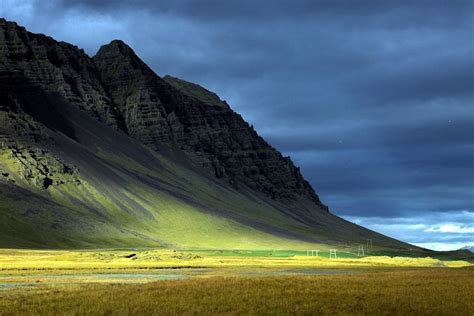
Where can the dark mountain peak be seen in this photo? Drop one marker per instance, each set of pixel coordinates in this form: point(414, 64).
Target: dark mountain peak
point(10, 29)
point(36, 63)
point(12, 32)
point(3, 21)
point(117, 47)
point(119, 42)
point(117, 52)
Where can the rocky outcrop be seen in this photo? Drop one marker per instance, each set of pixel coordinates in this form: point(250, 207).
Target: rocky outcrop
point(36, 166)
point(156, 111)
point(196, 91)
point(22, 150)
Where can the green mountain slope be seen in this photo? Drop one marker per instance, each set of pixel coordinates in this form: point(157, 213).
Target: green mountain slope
point(129, 195)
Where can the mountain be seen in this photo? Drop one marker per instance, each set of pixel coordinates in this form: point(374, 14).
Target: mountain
point(469, 248)
point(103, 152)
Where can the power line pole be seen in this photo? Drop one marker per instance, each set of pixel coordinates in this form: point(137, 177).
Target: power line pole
point(369, 243)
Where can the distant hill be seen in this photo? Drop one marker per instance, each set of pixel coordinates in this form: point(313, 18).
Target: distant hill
point(102, 152)
point(470, 248)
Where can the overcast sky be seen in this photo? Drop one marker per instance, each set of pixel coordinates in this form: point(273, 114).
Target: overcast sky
point(374, 100)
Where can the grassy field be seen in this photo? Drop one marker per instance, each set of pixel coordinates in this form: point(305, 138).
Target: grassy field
point(164, 281)
point(397, 292)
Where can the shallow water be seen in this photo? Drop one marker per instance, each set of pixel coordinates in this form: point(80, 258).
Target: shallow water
point(42, 279)
point(32, 280)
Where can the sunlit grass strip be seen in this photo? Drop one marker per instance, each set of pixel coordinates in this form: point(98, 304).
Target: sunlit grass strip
point(48, 259)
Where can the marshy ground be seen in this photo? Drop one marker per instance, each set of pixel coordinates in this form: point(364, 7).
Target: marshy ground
point(161, 282)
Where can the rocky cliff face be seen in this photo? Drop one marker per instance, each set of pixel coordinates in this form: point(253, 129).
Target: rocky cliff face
point(34, 61)
point(134, 89)
point(172, 111)
point(39, 74)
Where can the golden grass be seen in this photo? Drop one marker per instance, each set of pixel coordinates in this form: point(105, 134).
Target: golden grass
point(116, 259)
point(398, 292)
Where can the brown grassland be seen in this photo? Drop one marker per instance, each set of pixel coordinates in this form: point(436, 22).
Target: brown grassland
point(390, 291)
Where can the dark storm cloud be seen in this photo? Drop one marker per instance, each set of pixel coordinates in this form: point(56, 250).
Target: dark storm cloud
point(214, 10)
point(373, 99)
point(391, 135)
point(448, 75)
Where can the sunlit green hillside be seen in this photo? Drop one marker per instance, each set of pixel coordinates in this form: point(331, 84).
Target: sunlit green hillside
point(129, 196)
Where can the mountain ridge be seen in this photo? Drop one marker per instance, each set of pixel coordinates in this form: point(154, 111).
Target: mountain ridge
point(103, 152)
